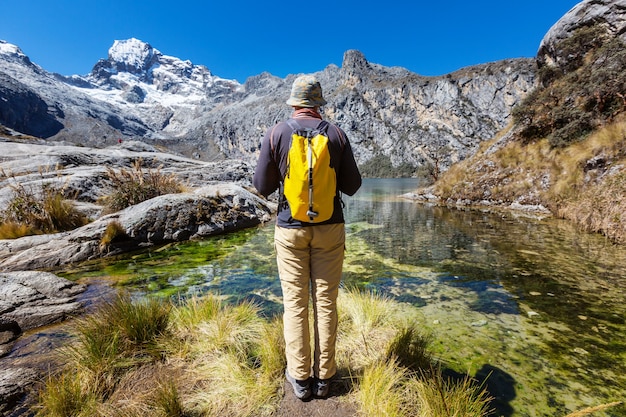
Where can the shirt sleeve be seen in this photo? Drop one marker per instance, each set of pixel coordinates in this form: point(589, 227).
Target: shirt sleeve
point(349, 178)
point(266, 177)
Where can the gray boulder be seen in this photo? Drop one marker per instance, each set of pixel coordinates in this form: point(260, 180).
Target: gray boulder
point(14, 382)
point(33, 299)
point(611, 14)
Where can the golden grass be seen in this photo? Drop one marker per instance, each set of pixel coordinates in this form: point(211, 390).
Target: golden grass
point(14, 230)
point(594, 198)
point(367, 322)
point(37, 209)
point(114, 232)
point(600, 208)
point(591, 410)
point(437, 397)
point(64, 395)
point(380, 391)
point(203, 357)
point(135, 185)
point(584, 182)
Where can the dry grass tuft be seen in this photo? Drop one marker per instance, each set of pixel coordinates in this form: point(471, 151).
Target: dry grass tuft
point(367, 322)
point(436, 397)
point(113, 232)
point(380, 390)
point(133, 186)
point(37, 208)
point(591, 410)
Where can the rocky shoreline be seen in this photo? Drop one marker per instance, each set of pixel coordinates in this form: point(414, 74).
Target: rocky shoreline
point(427, 196)
point(217, 199)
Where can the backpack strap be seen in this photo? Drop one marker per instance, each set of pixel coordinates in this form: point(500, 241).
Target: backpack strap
point(293, 124)
point(321, 127)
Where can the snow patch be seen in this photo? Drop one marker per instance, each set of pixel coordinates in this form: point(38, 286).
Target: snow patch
point(10, 49)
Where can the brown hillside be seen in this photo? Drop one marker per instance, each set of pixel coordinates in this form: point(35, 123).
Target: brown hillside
point(566, 150)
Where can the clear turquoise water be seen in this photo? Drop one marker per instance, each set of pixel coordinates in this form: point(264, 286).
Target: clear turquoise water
point(535, 304)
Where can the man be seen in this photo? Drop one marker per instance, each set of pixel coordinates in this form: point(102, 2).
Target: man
point(309, 255)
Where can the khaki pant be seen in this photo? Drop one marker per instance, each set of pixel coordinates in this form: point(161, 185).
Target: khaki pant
point(310, 261)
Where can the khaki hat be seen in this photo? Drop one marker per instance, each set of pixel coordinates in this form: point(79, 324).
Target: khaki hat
point(306, 91)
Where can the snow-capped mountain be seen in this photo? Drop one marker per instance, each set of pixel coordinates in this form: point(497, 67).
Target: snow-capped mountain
point(45, 105)
point(135, 72)
point(161, 90)
point(393, 117)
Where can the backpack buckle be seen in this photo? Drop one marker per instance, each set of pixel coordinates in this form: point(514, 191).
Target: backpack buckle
point(312, 214)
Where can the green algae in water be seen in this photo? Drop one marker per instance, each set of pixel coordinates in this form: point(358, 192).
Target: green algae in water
point(174, 268)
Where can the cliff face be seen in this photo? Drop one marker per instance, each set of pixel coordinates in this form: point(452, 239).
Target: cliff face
point(418, 120)
point(391, 115)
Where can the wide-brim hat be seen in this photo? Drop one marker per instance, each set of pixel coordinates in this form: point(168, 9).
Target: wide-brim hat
point(306, 91)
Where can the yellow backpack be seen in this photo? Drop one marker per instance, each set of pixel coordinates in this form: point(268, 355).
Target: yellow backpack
point(310, 183)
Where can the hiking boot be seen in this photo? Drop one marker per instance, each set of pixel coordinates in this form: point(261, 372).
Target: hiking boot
point(302, 389)
point(321, 387)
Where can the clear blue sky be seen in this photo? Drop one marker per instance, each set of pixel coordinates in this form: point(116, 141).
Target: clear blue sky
point(238, 39)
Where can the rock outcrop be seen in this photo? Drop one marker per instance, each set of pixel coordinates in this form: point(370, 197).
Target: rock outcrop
point(208, 211)
point(31, 299)
point(14, 382)
point(610, 14)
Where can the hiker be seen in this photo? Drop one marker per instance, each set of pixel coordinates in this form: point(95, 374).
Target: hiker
point(309, 250)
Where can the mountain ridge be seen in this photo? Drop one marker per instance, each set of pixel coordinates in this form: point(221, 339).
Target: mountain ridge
point(141, 94)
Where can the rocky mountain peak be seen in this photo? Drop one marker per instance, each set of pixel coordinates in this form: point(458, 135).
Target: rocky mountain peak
point(9, 49)
point(135, 72)
point(354, 61)
point(13, 52)
point(133, 56)
point(354, 67)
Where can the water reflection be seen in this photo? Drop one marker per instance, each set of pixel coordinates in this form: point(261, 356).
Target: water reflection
point(537, 298)
point(534, 300)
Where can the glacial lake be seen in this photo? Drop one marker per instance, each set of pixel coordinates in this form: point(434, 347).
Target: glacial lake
point(533, 306)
